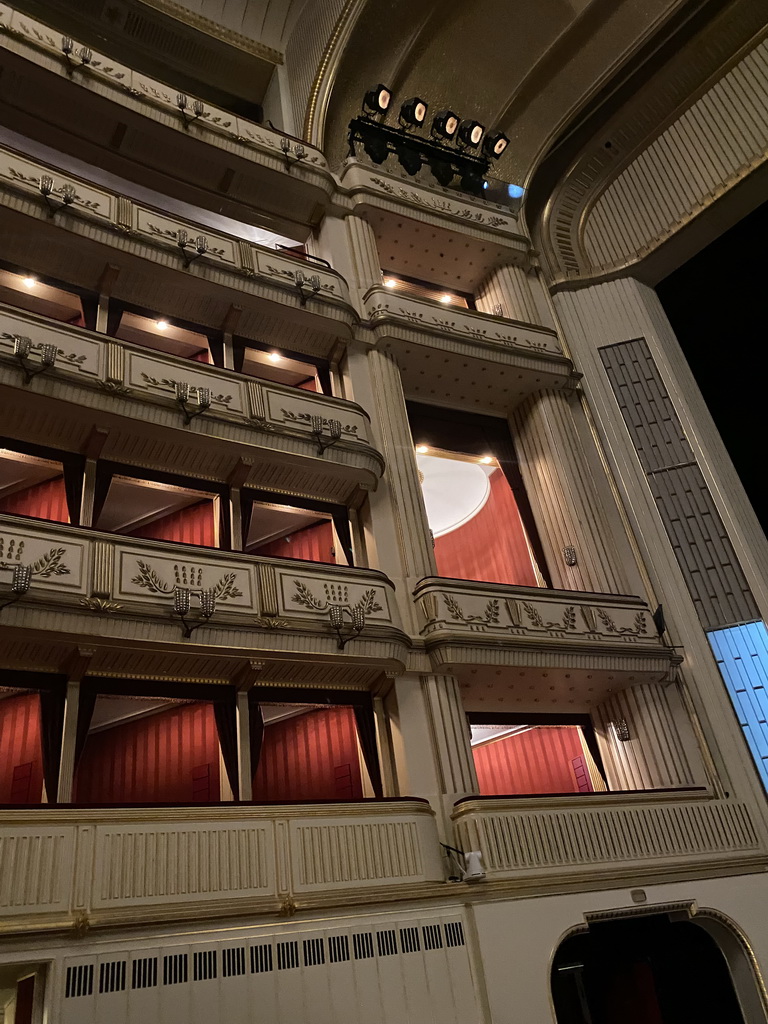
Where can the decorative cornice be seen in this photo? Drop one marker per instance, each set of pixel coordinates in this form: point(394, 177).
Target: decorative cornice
point(215, 29)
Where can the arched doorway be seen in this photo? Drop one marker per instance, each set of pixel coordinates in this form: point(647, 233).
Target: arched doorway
point(649, 969)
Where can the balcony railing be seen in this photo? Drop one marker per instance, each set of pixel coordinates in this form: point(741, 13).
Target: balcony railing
point(462, 326)
point(74, 571)
point(100, 373)
point(612, 632)
point(148, 233)
point(91, 867)
point(535, 839)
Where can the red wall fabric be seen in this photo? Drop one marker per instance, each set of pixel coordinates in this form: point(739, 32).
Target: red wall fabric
point(169, 757)
point(310, 757)
point(536, 761)
point(312, 544)
point(309, 385)
point(193, 525)
point(491, 547)
point(47, 500)
point(21, 761)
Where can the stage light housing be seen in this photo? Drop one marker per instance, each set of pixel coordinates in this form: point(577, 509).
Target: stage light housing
point(445, 124)
point(471, 133)
point(495, 144)
point(378, 99)
point(413, 112)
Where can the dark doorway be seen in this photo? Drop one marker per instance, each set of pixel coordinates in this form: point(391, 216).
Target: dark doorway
point(643, 970)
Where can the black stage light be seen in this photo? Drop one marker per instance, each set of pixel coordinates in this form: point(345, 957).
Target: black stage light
point(376, 148)
point(413, 113)
point(445, 124)
point(494, 145)
point(471, 133)
point(441, 170)
point(377, 100)
point(472, 181)
point(410, 159)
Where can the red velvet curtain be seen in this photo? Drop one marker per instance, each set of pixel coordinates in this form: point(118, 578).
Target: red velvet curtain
point(539, 760)
point(169, 757)
point(309, 385)
point(47, 500)
point(194, 525)
point(491, 547)
point(312, 544)
point(21, 760)
point(202, 356)
point(313, 756)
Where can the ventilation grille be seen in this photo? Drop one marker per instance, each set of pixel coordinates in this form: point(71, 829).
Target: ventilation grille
point(287, 955)
point(409, 940)
point(387, 942)
point(204, 965)
point(261, 959)
point(433, 936)
point(144, 972)
point(362, 943)
point(314, 952)
point(233, 961)
point(112, 976)
point(338, 949)
point(79, 981)
point(454, 933)
point(175, 969)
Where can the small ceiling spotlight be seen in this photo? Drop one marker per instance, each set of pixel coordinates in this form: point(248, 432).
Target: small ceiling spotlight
point(471, 133)
point(446, 298)
point(495, 144)
point(274, 357)
point(486, 460)
point(413, 113)
point(29, 282)
point(445, 124)
point(422, 449)
point(377, 100)
point(390, 282)
point(162, 325)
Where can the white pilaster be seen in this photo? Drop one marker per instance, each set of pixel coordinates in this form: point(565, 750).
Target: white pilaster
point(68, 743)
point(244, 781)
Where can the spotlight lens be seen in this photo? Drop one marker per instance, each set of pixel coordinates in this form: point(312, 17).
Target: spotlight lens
point(419, 113)
point(486, 460)
point(383, 98)
point(446, 298)
point(499, 147)
point(451, 125)
point(161, 325)
point(390, 283)
point(422, 449)
point(30, 282)
point(476, 134)
point(275, 357)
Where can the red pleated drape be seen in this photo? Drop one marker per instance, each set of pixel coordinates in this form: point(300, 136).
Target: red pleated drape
point(47, 500)
point(194, 525)
point(491, 547)
point(312, 544)
point(21, 760)
point(169, 757)
point(309, 385)
point(201, 357)
point(310, 757)
point(539, 760)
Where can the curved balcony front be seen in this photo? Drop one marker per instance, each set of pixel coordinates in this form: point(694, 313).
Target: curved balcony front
point(120, 592)
point(132, 393)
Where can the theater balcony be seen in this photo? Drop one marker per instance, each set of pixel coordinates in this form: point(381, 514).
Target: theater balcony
point(571, 841)
point(567, 648)
point(270, 435)
point(110, 866)
point(96, 239)
point(132, 125)
point(203, 609)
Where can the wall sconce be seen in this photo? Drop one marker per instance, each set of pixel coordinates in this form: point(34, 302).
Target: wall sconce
point(334, 432)
point(20, 582)
point(498, 309)
point(200, 246)
point(197, 109)
point(68, 195)
point(336, 615)
point(68, 49)
point(181, 606)
point(299, 153)
point(22, 348)
point(303, 282)
point(620, 729)
point(182, 397)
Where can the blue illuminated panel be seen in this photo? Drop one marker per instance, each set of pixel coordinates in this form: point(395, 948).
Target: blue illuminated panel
point(742, 657)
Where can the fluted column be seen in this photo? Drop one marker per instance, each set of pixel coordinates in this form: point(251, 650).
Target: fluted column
point(646, 739)
point(68, 745)
point(349, 245)
point(509, 288)
point(435, 742)
point(570, 511)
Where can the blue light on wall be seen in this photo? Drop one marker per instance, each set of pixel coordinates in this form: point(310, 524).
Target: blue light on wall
point(515, 191)
point(741, 653)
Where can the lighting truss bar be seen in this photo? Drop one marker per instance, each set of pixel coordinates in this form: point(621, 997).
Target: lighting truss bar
point(446, 162)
